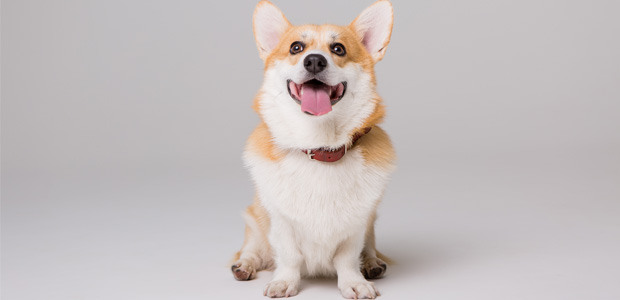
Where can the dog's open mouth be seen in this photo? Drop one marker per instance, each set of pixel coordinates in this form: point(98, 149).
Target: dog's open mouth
point(315, 97)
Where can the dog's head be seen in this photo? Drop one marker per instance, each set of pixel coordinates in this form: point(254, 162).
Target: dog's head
point(320, 77)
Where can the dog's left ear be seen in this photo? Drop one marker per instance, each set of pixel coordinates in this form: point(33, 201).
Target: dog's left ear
point(374, 28)
point(269, 25)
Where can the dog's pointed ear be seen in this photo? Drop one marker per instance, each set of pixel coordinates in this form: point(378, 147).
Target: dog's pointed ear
point(374, 28)
point(269, 25)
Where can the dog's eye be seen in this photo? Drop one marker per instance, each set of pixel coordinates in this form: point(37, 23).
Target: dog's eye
point(338, 49)
point(297, 47)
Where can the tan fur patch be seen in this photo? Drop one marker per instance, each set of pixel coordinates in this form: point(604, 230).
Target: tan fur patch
point(258, 212)
point(261, 143)
point(376, 147)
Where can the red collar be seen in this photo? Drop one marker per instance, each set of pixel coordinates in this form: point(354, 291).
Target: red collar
point(327, 155)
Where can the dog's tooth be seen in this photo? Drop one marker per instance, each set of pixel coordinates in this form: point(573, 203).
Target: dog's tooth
point(302, 91)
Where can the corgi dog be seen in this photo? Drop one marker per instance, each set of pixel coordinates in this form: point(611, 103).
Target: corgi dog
point(319, 161)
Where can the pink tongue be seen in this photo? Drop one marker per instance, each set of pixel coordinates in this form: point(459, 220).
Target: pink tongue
point(315, 100)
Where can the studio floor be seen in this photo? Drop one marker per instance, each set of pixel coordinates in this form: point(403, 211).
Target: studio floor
point(481, 234)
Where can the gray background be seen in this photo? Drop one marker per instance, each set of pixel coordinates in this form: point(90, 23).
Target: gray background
point(123, 124)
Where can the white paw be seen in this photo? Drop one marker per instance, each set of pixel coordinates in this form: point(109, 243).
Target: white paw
point(358, 290)
point(281, 288)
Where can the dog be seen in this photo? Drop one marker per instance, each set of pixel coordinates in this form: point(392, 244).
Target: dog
point(319, 161)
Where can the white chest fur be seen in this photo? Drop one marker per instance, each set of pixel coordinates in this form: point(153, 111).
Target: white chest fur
point(323, 202)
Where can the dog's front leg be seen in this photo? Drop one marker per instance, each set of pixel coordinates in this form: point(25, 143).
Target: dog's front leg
point(351, 282)
point(288, 260)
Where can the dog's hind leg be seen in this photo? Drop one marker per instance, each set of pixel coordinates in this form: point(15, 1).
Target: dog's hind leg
point(255, 254)
point(372, 265)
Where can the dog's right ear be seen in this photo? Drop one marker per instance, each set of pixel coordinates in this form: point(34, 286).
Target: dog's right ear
point(269, 25)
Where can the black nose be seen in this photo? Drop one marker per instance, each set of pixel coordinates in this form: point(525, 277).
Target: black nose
point(315, 63)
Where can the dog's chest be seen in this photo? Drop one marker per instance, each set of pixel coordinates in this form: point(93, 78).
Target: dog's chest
point(321, 199)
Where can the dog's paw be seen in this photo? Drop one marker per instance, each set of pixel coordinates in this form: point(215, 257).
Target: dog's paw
point(243, 271)
point(358, 290)
point(281, 288)
point(373, 268)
